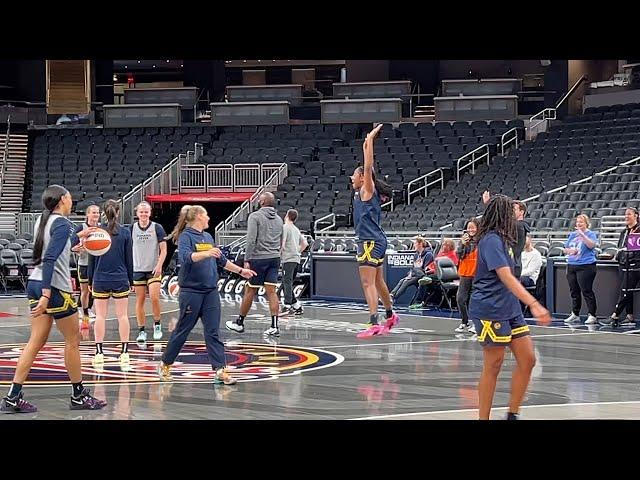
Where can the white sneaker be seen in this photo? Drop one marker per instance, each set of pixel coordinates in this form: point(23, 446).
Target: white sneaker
point(157, 332)
point(142, 337)
point(231, 325)
point(591, 320)
point(124, 358)
point(272, 331)
point(98, 359)
point(629, 319)
point(472, 327)
point(92, 313)
point(462, 328)
point(573, 318)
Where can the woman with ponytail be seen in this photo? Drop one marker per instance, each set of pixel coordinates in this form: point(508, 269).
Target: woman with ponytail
point(50, 297)
point(111, 275)
point(370, 194)
point(199, 260)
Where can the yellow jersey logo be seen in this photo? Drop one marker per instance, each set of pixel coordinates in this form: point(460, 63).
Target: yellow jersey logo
point(203, 247)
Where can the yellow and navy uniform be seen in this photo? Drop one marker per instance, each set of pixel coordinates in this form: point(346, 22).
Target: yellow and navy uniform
point(111, 275)
point(371, 239)
point(198, 297)
point(495, 311)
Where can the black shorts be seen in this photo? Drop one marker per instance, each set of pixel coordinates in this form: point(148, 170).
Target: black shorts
point(371, 253)
point(61, 304)
point(144, 278)
point(104, 290)
point(82, 274)
point(266, 272)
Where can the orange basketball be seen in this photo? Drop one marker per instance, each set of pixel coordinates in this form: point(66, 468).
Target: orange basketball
point(98, 243)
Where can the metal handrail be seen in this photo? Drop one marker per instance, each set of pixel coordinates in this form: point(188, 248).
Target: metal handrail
point(426, 185)
point(245, 207)
point(586, 179)
point(473, 161)
point(545, 115)
point(333, 224)
point(504, 143)
point(168, 177)
point(571, 90)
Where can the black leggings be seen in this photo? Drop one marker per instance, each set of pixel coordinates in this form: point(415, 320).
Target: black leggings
point(580, 278)
point(630, 280)
point(403, 284)
point(463, 297)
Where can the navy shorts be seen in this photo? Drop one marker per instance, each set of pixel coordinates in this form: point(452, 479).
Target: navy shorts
point(119, 289)
point(61, 304)
point(144, 278)
point(494, 333)
point(82, 274)
point(266, 272)
point(371, 253)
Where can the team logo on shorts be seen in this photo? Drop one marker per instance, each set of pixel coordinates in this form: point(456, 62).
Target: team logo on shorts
point(496, 326)
point(247, 362)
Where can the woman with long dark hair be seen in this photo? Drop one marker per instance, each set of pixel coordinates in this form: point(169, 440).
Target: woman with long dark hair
point(50, 297)
point(467, 260)
point(370, 194)
point(111, 275)
point(629, 266)
point(495, 310)
point(199, 296)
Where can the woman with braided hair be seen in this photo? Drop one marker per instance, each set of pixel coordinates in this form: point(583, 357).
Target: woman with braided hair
point(495, 310)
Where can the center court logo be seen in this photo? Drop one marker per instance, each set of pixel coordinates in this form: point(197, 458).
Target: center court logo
point(247, 362)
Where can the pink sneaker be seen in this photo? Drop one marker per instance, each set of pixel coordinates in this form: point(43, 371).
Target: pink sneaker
point(373, 330)
point(392, 321)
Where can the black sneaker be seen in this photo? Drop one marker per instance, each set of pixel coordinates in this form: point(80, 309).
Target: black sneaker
point(16, 405)
point(85, 401)
point(297, 311)
point(512, 416)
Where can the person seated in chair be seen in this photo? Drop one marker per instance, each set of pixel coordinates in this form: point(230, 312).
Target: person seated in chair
point(422, 258)
point(531, 261)
point(448, 249)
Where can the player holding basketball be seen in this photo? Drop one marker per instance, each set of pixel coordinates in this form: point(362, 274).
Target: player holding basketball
point(49, 292)
point(111, 275)
point(149, 252)
point(371, 239)
point(86, 300)
point(495, 310)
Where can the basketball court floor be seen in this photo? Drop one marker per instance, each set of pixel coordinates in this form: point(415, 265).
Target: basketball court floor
point(318, 369)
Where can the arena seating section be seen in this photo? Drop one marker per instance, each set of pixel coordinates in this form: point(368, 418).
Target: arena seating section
point(578, 148)
point(99, 163)
point(96, 163)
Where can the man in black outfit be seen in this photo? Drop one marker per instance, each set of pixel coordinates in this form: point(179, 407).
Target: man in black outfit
point(523, 229)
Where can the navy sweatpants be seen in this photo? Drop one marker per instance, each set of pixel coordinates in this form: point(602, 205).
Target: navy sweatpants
point(193, 306)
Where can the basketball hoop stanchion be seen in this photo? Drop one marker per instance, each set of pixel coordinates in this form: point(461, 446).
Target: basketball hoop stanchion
point(629, 264)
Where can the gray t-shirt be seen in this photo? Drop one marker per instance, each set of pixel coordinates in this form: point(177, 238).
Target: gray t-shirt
point(145, 246)
point(57, 235)
point(291, 238)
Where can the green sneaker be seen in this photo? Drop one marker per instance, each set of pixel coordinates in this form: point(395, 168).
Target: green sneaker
point(425, 281)
point(416, 306)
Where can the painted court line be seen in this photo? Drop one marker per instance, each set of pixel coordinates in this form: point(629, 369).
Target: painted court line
point(525, 407)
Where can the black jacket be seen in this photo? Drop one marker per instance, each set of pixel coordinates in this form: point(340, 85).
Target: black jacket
point(624, 255)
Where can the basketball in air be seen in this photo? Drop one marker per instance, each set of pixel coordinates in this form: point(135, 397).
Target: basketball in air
point(98, 243)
